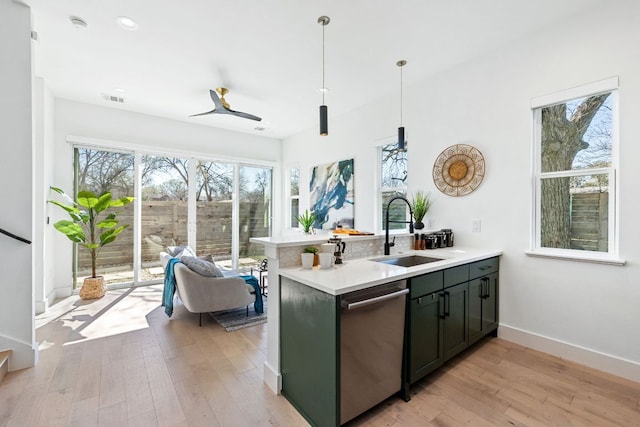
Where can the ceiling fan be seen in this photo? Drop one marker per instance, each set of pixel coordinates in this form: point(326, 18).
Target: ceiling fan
point(222, 106)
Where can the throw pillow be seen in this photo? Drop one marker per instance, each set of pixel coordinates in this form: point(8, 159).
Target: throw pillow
point(180, 251)
point(202, 267)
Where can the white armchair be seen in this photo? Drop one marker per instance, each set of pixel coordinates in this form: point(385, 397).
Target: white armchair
point(201, 294)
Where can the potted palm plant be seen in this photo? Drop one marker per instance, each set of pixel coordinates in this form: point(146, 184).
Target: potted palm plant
point(89, 228)
point(420, 204)
point(306, 220)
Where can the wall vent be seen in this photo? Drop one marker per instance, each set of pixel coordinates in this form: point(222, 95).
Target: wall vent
point(112, 98)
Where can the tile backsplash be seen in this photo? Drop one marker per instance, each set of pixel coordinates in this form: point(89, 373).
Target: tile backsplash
point(290, 256)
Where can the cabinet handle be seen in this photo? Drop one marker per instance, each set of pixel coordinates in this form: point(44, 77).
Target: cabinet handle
point(375, 300)
point(447, 300)
point(441, 307)
point(485, 288)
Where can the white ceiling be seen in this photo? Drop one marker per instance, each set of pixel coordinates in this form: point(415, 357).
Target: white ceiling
point(267, 52)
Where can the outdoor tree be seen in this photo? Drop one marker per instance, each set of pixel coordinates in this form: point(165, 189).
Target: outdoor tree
point(562, 138)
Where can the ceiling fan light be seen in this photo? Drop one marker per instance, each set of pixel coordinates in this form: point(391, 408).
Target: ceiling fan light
point(324, 123)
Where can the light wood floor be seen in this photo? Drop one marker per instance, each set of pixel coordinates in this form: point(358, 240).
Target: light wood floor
point(120, 361)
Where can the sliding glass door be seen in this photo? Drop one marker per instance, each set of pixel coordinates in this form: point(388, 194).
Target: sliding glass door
point(214, 207)
point(100, 171)
point(255, 212)
point(164, 193)
point(214, 211)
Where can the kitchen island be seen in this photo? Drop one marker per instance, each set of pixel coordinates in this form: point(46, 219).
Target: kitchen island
point(314, 296)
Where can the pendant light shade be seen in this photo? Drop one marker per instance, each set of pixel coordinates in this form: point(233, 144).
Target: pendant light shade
point(324, 120)
point(324, 125)
point(401, 140)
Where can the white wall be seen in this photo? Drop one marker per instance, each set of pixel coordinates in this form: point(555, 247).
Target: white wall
point(16, 191)
point(585, 312)
point(125, 129)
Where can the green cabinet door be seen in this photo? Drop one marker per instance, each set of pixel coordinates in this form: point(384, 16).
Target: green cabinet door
point(455, 332)
point(483, 306)
point(426, 335)
point(490, 305)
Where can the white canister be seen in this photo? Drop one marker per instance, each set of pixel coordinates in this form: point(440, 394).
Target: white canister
point(328, 248)
point(307, 260)
point(326, 260)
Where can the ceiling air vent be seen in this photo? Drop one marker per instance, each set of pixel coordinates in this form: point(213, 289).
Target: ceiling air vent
point(112, 98)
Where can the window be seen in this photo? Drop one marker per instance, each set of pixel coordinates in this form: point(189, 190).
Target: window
point(213, 206)
point(575, 143)
point(100, 171)
point(294, 196)
point(393, 182)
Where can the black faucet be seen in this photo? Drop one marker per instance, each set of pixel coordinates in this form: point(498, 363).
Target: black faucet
point(388, 245)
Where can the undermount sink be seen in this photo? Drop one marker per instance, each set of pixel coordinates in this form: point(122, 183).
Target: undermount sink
point(408, 261)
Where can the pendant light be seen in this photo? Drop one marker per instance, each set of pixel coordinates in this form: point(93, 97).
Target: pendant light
point(401, 140)
point(324, 123)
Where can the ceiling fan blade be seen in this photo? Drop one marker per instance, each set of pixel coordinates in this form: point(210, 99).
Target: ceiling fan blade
point(216, 100)
point(203, 114)
point(221, 109)
point(245, 115)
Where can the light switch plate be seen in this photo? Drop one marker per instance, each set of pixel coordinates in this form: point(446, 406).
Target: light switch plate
point(476, 225)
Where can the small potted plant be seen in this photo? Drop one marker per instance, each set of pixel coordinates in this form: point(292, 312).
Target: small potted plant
point(420, 204)
point(306, 220)
point(90, 230)
point(313, 251)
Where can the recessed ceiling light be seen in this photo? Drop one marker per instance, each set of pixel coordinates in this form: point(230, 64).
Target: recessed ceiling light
point(323, 90)
point(77, 22)
point(127, 23)
point(119, 90)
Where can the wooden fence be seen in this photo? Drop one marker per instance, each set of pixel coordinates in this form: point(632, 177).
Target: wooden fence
point(589, 221)
point(164, 223)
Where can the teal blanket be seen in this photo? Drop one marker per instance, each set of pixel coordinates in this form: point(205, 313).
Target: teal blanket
point(169, 286)
point(251, 280)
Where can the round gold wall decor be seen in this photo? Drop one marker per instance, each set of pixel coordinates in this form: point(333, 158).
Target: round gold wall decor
point(458, 170)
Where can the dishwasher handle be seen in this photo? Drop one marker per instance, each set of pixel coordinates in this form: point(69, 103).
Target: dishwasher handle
point(366, 302)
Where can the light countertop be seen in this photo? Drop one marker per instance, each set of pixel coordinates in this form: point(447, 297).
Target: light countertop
point(299, 239)
point(363, 273)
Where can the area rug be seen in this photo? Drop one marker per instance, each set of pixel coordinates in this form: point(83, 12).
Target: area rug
point(232, 320)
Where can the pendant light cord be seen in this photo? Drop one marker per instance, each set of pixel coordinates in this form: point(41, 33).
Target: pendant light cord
point(401, 96)
point(324, 89)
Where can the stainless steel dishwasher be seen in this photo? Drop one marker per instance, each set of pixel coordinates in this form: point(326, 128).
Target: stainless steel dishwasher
point(371, 342)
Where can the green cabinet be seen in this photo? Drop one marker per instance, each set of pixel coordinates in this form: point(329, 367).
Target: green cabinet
point(449, 310)
point(309, 351)
point(425, 335)
point(483, 299)
point(437, 326)
point(454, 322)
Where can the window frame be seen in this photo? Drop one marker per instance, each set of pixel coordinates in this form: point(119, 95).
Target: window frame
point(380, 189)
point(611, 256)
point(289, 197)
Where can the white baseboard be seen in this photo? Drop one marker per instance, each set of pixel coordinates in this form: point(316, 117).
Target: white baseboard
point(272, 378)
point(594, 359)
point(23, 355)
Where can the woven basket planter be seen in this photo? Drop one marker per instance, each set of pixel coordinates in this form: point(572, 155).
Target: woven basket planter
point(92, 288)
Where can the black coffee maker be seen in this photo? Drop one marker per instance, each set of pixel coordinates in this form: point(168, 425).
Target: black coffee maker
point(448, 237)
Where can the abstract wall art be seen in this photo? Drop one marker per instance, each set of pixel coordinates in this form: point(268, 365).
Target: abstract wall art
point(331, 195)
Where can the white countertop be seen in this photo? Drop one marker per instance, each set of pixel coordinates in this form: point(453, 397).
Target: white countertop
point(363, 273)
point(298, 239)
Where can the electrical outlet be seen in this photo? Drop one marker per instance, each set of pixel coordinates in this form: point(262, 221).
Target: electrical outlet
point(476, 225)
point(429, 224)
